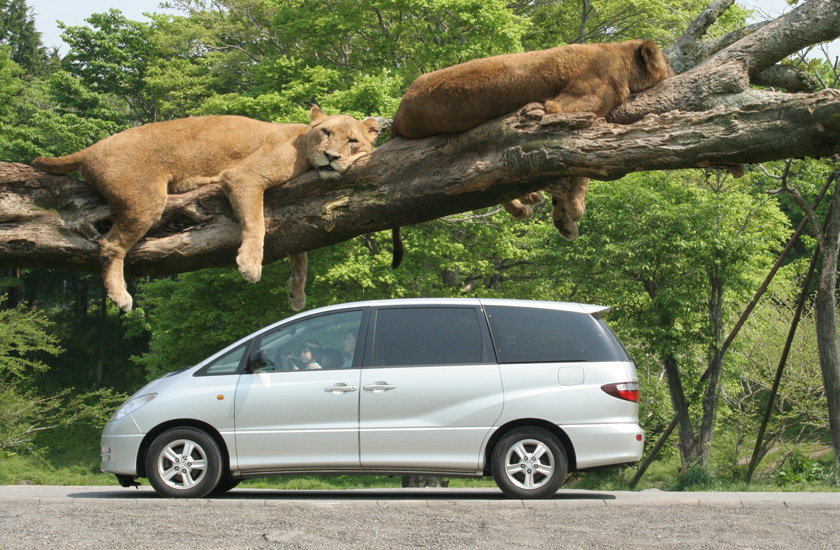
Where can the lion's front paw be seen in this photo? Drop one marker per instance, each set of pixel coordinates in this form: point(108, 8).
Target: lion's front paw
point(122, 298)
point(250, 269)
point(532, 110)
point(567, 228)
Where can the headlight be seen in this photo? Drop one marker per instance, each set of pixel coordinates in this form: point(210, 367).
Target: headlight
point(132, 405)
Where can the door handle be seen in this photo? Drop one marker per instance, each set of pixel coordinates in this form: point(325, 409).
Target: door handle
point(340, 388)
point(379, 387)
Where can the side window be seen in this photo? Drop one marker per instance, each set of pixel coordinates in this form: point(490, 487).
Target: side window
point(426, 336)
point(526, 335)
point(227, 363)
point(323, 342)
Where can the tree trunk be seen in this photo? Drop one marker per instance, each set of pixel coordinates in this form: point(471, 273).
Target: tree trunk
point(826, 319)
point(715, 367)
point(688, 437)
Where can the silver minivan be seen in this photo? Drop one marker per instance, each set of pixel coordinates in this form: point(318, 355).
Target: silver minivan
point(525, 391)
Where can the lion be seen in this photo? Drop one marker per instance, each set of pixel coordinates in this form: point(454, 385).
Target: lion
point(134, 171)
point(592, 78)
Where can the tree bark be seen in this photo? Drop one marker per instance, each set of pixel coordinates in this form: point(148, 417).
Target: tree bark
point(53, 221)
point(825, 307)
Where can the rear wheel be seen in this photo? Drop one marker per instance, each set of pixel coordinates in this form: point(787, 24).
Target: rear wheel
point(529, 463)
point(184, 463)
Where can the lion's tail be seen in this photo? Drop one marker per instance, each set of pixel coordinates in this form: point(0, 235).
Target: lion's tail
point(59, 165)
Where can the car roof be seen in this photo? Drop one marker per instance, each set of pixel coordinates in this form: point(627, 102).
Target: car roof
point(414, 302)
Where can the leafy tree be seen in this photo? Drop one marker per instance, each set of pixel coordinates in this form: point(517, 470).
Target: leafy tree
point(10, 83)
point(674, 259)
point(17, 32)
point(22, 413)
point(112, 57)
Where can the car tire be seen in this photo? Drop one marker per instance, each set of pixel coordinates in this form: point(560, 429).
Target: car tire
point(226, 484)
point(529, 463)
point(184, 463)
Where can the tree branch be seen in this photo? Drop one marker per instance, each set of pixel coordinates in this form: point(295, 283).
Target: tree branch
point(731, 70)
point(56, 221)
point(707, 116)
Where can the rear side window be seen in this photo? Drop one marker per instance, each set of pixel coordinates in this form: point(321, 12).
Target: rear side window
point(525, 335)
point(427, 336)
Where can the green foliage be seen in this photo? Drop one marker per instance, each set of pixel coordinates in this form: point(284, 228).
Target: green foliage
point(10, 82)
point(19, 36)
point(112, 57)
point(651, 246)
point(694, 477)
point(23, 332)
point(797, 469)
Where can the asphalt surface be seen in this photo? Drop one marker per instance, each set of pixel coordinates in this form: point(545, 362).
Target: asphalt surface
point(105, 517)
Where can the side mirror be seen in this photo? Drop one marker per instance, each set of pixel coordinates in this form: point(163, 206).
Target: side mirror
point(259, 360)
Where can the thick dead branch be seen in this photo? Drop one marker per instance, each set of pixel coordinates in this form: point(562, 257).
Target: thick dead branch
point(55, 221)
point(730, 71)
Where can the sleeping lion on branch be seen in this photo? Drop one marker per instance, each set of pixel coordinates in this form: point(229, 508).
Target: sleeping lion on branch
point(134, 171)
point(593, 78)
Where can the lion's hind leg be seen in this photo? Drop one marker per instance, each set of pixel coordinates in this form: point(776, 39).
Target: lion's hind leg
point(569, 199)
point(297, 280)
point(129, 227)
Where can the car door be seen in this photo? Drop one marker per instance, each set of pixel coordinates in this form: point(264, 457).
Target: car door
point(430, 394)
point(291, 415)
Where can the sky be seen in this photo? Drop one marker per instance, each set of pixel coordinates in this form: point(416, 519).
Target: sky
point(74, 12)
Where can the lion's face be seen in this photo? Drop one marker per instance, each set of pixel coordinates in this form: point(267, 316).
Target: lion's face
point(336, 142)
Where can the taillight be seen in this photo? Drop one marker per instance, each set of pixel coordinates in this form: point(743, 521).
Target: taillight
point(623, 390)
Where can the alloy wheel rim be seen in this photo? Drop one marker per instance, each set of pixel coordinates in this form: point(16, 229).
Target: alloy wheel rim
point(529, 464)
point(182, 464)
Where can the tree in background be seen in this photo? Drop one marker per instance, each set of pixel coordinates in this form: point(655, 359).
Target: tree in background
point(673, 284)
point(18, 34)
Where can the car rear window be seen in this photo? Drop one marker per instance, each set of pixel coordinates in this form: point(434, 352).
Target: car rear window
point(529, 335)
point(427, 336)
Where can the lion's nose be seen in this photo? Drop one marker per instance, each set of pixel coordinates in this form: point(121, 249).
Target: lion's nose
point(331, 157)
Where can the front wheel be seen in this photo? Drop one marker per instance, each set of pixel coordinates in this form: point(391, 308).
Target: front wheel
point(529, 463)
point(184, 463)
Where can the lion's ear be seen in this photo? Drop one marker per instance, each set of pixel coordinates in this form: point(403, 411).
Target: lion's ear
point(372, 128)
point(316, 114)
point(650, 55)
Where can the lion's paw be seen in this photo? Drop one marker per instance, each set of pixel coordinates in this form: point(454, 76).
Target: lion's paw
point(523, 213)
point(567, 228)
point(251, 270)
point(532, 110)
point(122, 298)
point(532, 198)
point(297, 301)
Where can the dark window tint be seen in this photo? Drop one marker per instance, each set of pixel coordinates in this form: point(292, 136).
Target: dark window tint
point(426, 336)
point(625, 355)
point(524, 335)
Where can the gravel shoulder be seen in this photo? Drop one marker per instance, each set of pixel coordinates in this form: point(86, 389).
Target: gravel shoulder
point(105, 517)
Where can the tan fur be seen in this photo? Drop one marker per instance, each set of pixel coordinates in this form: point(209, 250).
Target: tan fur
point(134, 171)
point(576, 78)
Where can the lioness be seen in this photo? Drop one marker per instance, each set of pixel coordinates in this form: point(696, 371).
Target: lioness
point(577, 78)
point(134, 171)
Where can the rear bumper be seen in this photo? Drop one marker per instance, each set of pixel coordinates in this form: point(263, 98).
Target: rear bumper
point(598, 445)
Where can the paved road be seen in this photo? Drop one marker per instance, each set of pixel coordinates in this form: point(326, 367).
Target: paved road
point(104, 517)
